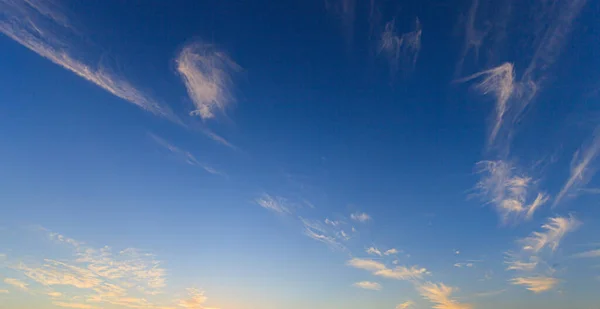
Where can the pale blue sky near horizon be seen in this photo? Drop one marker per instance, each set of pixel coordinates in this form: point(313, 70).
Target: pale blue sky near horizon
point(323, 154)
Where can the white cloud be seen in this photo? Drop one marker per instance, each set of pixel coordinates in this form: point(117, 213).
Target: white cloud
point(368, 285)
point(588, 254)
point(40, 27)
point(400, 47)
point(508, 191)
point(73, 305)
point(441, 296)
point(405, 305)
point(581, 171)
point(332, 222)
point(17, 283)
point(219, 139)
point(536, 284)
point(390, 251)
point(3, 291)
point(184, 156)
point(276, 204)
point(195, 299)
point(360, 217)
point(461, 265)
point(54, 294)
point(379, 269)
point(206, 73)
point(373, 251)
point(500, 81)
point(554, 230)
point(321, 233)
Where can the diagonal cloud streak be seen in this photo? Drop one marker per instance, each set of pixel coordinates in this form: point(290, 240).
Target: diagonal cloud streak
point(42, 28)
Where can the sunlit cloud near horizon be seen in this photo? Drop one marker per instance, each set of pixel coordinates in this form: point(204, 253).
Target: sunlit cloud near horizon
point(321, 154)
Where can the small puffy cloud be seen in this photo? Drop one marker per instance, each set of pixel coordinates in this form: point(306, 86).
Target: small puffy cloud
point(360, 217)
point(206, 72)
point(368, 285)
point(461, 265)
point(380, 269)
point(17, 283)
point(554, 230)
point(390, 252)
point(441, 296)
point(276, 204)
point(405, 305)
point(536, 284)
point(373, 251)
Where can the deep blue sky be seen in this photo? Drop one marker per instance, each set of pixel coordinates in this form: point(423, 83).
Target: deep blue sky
point(342, 153)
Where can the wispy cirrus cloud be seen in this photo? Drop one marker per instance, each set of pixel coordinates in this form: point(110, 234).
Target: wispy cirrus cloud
point(368, 285)
point(184, 155)
point(581, 170)
point(332, 237)
point(380, 269)
point(43, 28)
point(508, 191)
point(360, 217)
point(500, 82)
point(536, 284)
point(405, 305)
point(441, 296)
point(400, 48)
point(194, 300)
point(273, 203)
point(588, 254)
point(530, 259)
point(554, 231)
point(17, 283)
point(207, 74)
point(4, 292)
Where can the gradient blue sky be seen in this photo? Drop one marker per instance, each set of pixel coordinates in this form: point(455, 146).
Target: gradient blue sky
point(299, 154)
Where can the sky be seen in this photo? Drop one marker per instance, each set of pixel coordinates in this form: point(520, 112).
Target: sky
point(299, 154)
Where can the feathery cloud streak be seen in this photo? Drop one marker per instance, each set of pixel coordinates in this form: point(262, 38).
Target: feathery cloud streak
point(276, 204)
point(380, 269)
point(184, 155)
point(206, 72)
point(581, 171)
point(405, 305)
point(40, 26)
point(441, 296)
point(508, 191)
point(360, 217)
point(536, 284)
point(398, 47)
